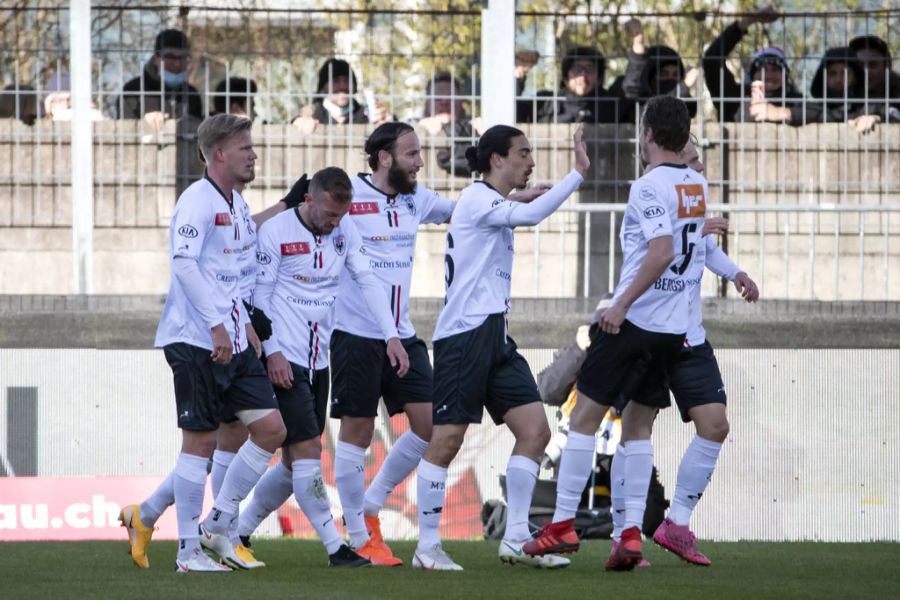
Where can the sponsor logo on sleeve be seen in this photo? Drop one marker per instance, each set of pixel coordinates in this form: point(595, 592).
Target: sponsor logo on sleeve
point(497, 202)
point(364, 208)
point(263, 258)
point(654, 211)
point(647, 193)
point(294, 248)
point(187, 231)
point(223, 219)
point(691, 201)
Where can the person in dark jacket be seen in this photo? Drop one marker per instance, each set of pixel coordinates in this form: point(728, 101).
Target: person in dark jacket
point(769, 65)
point(583, 99)
point(445, 116)
point(883, 83)
point(837, 96)
point(334, 103)
point(162, 91)
point(651, 71)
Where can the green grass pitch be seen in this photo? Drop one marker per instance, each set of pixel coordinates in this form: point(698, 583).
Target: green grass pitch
point(296, 569)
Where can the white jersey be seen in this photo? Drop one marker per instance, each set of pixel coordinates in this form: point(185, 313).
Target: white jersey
point(207, 229)
point(670, 200)
point(480, 250)
point(249, 265)
point(388, 226)
point(298, 281)
point(706, 255)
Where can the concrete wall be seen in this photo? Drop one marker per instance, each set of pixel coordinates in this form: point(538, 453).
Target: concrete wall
point(855, 256)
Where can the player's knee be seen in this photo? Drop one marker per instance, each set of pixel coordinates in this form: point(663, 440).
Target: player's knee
point(542, 437)
point(357, 431)
point(268, 432)
point(715, 430)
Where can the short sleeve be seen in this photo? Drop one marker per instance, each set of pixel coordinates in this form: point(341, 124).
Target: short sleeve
point(437, 209)
point(650, 208)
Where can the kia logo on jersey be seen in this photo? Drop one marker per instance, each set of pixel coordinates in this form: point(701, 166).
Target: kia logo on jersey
point(363, 208)
point(187, 231)
point(263, 258)
point(294, 248)
point(339, 244)
point(651, 212)
point(223, 219)
point(691, 201)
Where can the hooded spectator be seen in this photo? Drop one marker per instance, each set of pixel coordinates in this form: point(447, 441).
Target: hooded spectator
point(235, 96)
point(883, 83)
point(583, 99)
point(769, 65)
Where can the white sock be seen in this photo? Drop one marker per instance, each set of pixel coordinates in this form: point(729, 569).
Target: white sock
point(521, 475)
point(694, 473)
point(350, 479)
point(156, 503)
point(638, 470)
point(400, 462)
point(220, 462)
point(617, 491)
point(273, 490)
point(431, 481)
point(189, 484)
point(243, 473)
point(574, 471)
point(311, 495)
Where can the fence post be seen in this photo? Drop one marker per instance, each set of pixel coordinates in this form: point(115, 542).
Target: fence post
point(498, 61)
point(82, 146)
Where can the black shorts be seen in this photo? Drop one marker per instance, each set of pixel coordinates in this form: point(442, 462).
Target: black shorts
point(694, 378)
point(480, 369)
point(362, 374)
point(613, 362)
point(206, 391)
point(304, 405)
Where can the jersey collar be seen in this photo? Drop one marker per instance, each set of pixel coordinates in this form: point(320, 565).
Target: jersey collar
point(672, 165)
point(365, 178)
point(303, 223)
point(230, 201)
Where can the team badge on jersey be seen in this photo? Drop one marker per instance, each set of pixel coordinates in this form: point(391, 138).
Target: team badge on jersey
point(339, 244)
point(410, 205)
point(691, 201)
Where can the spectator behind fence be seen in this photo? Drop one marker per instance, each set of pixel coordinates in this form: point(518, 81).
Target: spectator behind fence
point(583, 97)
point(445, 116)
point(651, 71)
point(837, 95)
point(19, 103)
point(235, 96)
point(526, 107)
point(162, 91)
point(58, 102)
point(875, 56)
point(334, 103)
point(769, 65)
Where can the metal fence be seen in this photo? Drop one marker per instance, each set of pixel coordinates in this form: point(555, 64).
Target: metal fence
point(398, 56)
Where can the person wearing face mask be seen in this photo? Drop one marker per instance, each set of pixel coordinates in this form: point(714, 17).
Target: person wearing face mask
point(651, 71)
point(769, 65)
point(162, 91)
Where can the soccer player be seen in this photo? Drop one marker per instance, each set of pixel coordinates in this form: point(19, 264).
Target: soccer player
point(388, 207)
point(648, 316)
point(204, 332)
point(302, 254)
point(477, 365)
point(696, 383)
